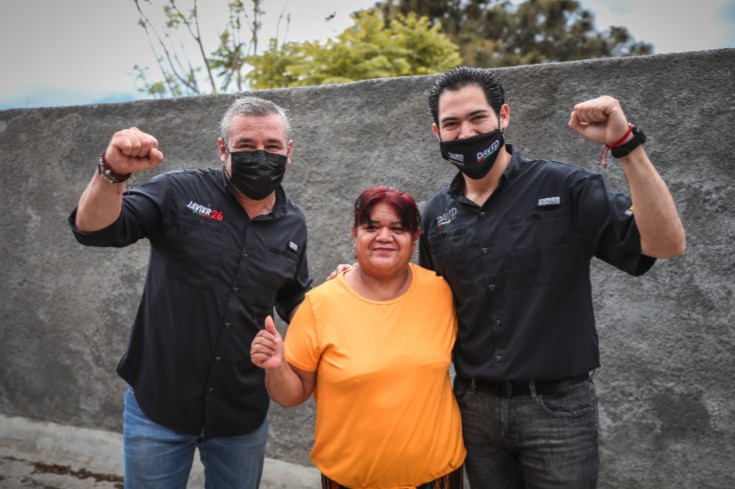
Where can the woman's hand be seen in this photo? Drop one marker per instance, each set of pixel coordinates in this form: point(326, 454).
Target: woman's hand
point(266, 350)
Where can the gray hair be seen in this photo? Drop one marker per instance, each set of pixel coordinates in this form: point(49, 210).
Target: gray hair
point(252, 106)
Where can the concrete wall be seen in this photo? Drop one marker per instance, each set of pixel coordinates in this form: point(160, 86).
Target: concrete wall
point(667, 339)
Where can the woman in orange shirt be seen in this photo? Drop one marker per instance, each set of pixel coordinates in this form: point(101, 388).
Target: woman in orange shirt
point(374, 346)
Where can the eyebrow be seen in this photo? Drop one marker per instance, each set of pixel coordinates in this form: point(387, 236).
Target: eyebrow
point(370, 221)
point(473, 113)
point(251, 140)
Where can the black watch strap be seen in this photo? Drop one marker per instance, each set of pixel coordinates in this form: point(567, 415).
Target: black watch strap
point(624, 149)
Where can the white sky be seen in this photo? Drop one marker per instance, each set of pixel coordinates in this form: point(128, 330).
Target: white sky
point(71, 52)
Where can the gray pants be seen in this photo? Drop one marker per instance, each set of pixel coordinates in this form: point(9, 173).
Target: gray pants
point(530, 440)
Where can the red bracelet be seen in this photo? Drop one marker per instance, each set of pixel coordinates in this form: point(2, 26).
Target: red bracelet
point(108, 173)
point(620, 141)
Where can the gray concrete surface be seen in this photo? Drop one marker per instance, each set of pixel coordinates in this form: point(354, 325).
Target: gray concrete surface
point(53, 456)
point(667, 339)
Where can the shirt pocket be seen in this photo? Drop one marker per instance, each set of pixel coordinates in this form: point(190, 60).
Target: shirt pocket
point(274, 266)
point(195, 249)
point(544, 248)
point(538, 228)
point(450, 256)
point(447, 242)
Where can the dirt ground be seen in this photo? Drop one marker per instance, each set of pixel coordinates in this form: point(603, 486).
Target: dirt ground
point(16, 473)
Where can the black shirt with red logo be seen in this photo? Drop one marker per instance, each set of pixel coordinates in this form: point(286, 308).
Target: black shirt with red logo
point(213, 276)
point(519, 267)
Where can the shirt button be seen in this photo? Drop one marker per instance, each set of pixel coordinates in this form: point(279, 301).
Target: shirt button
point(498, 358)
point(227, 325)
point(211, 389)
point(484, 250)
point(245, 254)
point(498, 322)
point(234, 290)
point(217, 359)
point(491, 287)
point(482, 214)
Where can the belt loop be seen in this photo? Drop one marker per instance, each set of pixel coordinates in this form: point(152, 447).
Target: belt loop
point(472, 386)
point(532, 388)
point(508, 389)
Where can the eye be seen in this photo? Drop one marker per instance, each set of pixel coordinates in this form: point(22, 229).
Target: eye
point(398, 229)
point(449, 125)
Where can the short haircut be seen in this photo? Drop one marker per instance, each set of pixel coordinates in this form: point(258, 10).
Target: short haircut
point(464, 76)
point(252, 106)
point(404, 205)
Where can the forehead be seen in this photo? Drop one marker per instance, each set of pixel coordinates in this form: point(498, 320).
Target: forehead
point(259, 128)
point(383, 211)
point(456, 103)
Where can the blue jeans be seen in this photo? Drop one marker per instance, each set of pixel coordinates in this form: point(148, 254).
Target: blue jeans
point(532, 440)
point(160, 458)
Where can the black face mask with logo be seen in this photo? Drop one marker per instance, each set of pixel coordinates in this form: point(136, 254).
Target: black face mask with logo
point(474, 156)
point(257, 173)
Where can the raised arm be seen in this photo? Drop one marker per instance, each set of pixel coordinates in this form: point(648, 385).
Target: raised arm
point(129, 151)
point(662, 234)
point(287, 385)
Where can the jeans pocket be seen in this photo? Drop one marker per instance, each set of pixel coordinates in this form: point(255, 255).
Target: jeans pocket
point(580, 399)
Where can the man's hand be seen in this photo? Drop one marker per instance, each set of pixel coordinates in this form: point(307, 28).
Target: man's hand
point(340, 268)
point(266, 350)
point(600, 120)
point(132, 151)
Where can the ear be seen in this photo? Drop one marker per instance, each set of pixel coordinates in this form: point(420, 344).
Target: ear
point(435, 128)
point(504, 116)
point(289, 149)
point(222, 150)
point(354, 232)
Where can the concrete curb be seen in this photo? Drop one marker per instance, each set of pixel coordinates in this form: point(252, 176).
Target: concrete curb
point(26, 442)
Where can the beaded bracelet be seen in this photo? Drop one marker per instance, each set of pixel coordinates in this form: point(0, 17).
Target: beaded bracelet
point(108, 173)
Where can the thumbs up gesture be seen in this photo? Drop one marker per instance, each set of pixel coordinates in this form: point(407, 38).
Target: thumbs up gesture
point(266, 350)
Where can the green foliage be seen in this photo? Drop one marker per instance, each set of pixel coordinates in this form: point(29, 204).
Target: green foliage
point(371, 48)
point(495, 33)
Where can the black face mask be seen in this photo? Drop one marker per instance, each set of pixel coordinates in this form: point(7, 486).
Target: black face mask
point(474, 156)
point(257, 173)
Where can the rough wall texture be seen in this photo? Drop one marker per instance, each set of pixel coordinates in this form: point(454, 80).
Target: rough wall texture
point(667, 339)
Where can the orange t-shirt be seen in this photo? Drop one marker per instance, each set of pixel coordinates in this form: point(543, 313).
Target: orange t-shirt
point(386, 416)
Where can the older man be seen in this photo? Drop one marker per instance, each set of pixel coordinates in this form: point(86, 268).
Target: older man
point(227, 246)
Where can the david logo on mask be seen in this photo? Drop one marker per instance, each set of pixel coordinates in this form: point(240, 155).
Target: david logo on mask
point(489, 151)
point(483, 149)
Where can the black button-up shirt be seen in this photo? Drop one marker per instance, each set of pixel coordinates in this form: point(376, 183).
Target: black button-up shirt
point(519, 267)
point(213, 277)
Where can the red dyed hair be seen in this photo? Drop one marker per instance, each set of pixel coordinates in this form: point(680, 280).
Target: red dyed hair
point(402, 203)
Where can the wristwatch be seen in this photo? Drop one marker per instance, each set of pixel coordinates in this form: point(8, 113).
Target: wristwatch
point(623, 149)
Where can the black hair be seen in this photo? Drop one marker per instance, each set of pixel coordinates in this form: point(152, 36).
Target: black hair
point(464, 76)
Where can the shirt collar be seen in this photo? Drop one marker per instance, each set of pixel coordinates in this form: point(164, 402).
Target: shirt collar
point(456, 187)
point(279, 207)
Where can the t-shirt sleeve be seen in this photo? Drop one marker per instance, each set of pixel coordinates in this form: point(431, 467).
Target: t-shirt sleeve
point(302, 342)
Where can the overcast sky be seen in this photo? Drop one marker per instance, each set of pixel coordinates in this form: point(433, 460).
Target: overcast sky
point(76, 52)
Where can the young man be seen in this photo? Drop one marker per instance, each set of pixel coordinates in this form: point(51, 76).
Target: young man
point(227, 246)
point(514, 238)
